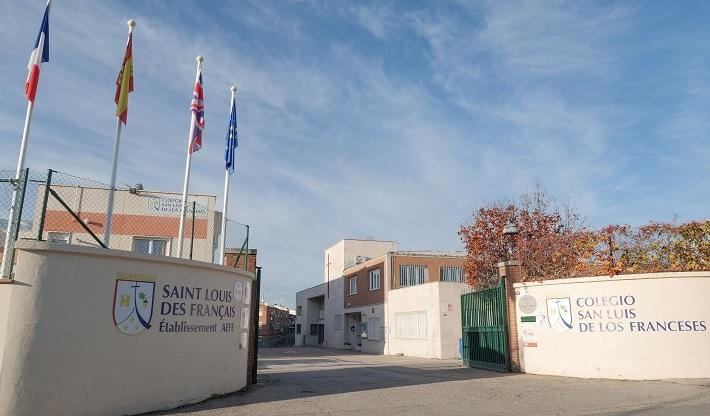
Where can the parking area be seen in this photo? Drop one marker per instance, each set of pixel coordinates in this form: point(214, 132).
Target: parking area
point(312, 381)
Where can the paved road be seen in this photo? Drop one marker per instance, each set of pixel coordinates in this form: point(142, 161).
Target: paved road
point(307, 381)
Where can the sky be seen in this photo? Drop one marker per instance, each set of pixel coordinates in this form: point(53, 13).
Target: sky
point(390, 120)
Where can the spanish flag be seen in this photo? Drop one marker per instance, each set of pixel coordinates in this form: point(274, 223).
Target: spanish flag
point(124, 83)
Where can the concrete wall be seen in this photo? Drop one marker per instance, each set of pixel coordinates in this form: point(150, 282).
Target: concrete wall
point(362, 314)
point(309, 313)
point(63, 354)
point(334, 336)
point(649, 326)
point(450, 317)
point(441, 301)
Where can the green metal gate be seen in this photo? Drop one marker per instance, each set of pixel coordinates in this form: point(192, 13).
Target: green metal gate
point(484, 321)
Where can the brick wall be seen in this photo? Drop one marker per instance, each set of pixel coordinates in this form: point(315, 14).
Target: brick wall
point(364, 295)
point(433, 264)
point(511, 270)
point(273, 321)
point(247, 261)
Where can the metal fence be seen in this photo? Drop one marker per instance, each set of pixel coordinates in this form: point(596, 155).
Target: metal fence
point(275, 341)
point(66, 209)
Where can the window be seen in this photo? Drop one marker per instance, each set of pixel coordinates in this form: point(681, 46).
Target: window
point(411, 275)
point(374, 325)
point(451, 274)
point(147, 245)
point(353, 285)
point(374, 279)
point(314, 329)
point(57, 237)
point(298, 328)
point(411, 324)
point(363, 329)
point(299, 310)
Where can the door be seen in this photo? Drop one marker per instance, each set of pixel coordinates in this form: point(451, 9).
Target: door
point(484, 321)
point(321, 334)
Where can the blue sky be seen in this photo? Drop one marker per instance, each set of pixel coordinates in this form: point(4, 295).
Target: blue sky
point(392, 120)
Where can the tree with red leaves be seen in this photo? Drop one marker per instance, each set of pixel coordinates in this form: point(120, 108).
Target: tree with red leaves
point(549, 241)
point(553, 243)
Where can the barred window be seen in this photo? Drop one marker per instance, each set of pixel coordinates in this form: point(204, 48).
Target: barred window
point(374, 279)
point(363, 329)
point(451, 274)
point(411, 275)
point(411, 324)
point(148, 245)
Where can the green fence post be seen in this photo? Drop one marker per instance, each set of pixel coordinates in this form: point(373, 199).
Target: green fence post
point(22, 202)
point(192, 232)
point(40, 229)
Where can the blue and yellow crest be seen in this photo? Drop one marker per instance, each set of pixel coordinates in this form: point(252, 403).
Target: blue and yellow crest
point(133, 305)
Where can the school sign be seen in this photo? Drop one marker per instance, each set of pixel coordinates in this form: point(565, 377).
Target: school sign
point(647, 326)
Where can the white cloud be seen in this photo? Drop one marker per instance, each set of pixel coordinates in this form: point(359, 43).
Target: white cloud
point(337, 140)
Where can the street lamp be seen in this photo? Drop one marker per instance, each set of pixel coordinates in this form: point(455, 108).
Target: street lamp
point(510, 230)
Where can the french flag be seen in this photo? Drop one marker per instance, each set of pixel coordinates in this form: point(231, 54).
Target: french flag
point(39, 54)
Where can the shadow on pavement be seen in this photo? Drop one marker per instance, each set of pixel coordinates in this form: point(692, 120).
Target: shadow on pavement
point(299, 376)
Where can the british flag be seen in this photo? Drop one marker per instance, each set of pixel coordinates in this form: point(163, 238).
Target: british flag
point(198, 110)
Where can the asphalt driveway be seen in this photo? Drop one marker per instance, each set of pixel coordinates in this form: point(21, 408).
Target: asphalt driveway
point(311, 381)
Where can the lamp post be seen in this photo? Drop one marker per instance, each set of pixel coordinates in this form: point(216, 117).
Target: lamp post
point(510, 230)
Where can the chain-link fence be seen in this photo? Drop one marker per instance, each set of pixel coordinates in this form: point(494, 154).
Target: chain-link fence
point(66, 209)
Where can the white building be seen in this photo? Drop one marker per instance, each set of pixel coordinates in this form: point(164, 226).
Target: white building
point(379, 300)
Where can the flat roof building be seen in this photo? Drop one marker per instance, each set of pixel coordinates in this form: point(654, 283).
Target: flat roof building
point(384, 301)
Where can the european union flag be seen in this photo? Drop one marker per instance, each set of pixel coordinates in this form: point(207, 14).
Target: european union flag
point(232, 141)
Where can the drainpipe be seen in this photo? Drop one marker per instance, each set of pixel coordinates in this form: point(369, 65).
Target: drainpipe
point(255, 322)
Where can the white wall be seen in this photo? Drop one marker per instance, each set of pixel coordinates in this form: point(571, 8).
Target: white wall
point(606, 339)
point(441, 301)
point(450, 317)
point(335, 259)
point(369, 345)
point(307, 314)
point(63, 354)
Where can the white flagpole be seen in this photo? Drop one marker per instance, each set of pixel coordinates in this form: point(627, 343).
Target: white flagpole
point(223, 241)
point(116, 144)
point(181, 234)
point(223, 235)
point(10, 236)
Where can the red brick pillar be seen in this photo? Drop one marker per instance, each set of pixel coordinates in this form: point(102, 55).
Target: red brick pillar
point(512, 272)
